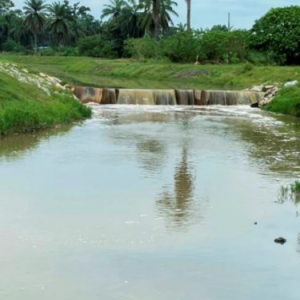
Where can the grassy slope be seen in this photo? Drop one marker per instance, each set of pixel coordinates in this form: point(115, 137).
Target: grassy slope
point(287, 102)
point(131, 74)
point(25, 108)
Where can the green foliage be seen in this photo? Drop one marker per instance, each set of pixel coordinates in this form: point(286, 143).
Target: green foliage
point(287, 102)
point(12, 46)
point(185, 46)
point(278, 33)
point(248, 67)
point(182, 47)
point(5, 6)
point(146, 48)
point(59, 51)
point(96, 46)
point(35, 17)
point(25, 108)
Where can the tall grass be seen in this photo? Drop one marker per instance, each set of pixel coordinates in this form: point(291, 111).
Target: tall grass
point(25, 108)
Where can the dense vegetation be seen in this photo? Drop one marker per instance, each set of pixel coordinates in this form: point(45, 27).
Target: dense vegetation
point(26, 108)
point(143, 29)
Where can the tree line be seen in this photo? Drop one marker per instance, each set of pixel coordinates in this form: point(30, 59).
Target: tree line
point(144, 29)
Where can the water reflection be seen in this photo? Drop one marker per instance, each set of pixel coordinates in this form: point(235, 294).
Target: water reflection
point(273, 143)
point(176, 206)
point(16, 146)
point(151, 155)
point(288, 193)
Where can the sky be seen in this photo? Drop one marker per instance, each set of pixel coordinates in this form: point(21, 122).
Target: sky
point(206, 13)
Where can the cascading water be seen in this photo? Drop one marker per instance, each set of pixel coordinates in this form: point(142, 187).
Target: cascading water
point(226, 97)
point(185, 97)
point(164, 97)
point(109, 96)
point(138, 97)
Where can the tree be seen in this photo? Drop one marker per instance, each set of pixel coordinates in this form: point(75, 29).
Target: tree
point(114, 9)
point(131, 19)
point(157, 15)
point(189, 4)
point(278, 34)
point(5, 6)
point(60, 16)
point(35, 11)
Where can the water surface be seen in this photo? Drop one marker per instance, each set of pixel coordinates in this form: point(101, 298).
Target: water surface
point(150, 203)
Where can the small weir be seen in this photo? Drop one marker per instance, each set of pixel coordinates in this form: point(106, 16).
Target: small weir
point(165, 97)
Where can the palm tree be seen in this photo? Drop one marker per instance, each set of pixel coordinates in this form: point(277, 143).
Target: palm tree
point(157, 14)
point(189, 3)
point(181, 27)
point(131, 20)
point(114, 9)
point(59, 22)
point(35, 11)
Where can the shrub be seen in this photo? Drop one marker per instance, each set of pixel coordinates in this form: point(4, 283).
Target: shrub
point(182, 47)
point(12, 46)
point(278, 32)
point(96, 46)
point(145, 48)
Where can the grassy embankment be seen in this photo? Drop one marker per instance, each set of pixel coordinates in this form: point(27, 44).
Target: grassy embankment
point(287, 102)
point(25, 108)
point(133, 74)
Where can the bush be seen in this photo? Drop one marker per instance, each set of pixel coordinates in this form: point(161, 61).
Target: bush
point(278, 33)
point(182, 47)
point(48, 52)
point(260, 58)
point(96, 46)
point(145, 48)
point(12, 46)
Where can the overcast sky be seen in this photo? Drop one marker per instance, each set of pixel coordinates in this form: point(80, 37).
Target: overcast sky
point(207, 13)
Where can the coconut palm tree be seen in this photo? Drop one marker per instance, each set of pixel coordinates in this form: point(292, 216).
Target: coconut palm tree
point(189, 4)
point(35, 11)
point(114, 9)
point(157, 14)
point(131, 18)
point(59, 21)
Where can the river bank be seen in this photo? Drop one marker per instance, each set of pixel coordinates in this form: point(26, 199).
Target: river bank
point(153, 74)
point(27, 106)
point(132, 74)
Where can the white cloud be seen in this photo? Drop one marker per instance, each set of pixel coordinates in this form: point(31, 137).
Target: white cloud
point(206, 13)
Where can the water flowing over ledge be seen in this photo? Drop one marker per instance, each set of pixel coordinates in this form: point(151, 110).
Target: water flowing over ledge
point(166, 97)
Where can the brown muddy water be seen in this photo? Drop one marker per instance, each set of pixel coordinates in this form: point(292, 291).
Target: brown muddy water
point(152, 203)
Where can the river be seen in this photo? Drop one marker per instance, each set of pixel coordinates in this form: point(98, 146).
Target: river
point(152, 203)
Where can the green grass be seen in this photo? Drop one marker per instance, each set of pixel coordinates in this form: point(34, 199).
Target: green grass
point(25, 108)
point(134, 74)
point(286, 102)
